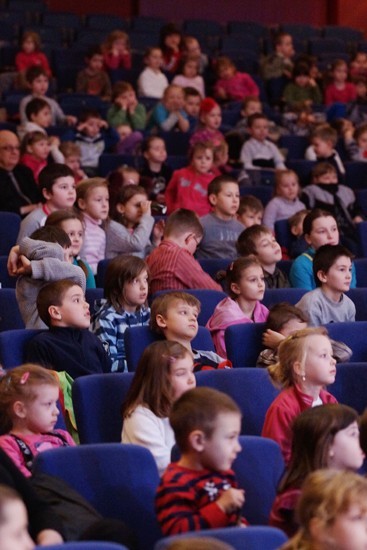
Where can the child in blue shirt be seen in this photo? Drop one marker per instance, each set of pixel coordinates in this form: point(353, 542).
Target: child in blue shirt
point(169, 114)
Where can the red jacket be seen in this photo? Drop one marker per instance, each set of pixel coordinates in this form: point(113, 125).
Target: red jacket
point(189, 189)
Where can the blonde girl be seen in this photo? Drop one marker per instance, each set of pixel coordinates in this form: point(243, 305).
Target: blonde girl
point(71, 221)
point(285, 202)
point(13, 521)
point(169, 114)
point(306, 365)
point(116, 51)
point(164, 373)
point(28, 414)
point(332, 512)
point(92, 199)
point(35, 149)
point(246, 287)
point(339, 90)
point(124, 305)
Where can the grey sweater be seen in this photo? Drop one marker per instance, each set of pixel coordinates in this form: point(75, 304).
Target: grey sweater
point(119, 240)
point(321, 310)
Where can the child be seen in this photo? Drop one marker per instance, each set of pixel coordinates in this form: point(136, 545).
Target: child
point(125, 109)
point(14, 521)
point(93, 80)
point(192, 50)
point(356, 110)
point(340, 90)
point(332, 512)
point(221, 228)
point(72, 158)
point(188, 76)
point(319, 227)
point(325, 192)
point(188, 187)
point(305, 366)
point(155, 173)
point(38, 115)
point(175, 315)
point(170, 42)
point(326, 436)
point(30, 56)
point(192, 106)
point(231, 84)
point(38, 81)
point(358, 66)
point(164, 373)
point(124, 305)
point(300, 120)
point(35, 150)
point(57, 186)
point(172, 265)
point(259, 152)
point(322, 148)
point(152, 81)
point(250, 211)
point(169, 114)
point(356, 143)
point(303, 89)
point(68, 345)
point(71, 221)
point(117, 179)
point(210, 119)
point(93, 201)
point(29, 412)
point(246, 287)
point(332, 268)
point(134, 224)
point(260, 241)
point(116, 51)
point(200, 490)
point(279, 63)
point(285, 201)
point(298, 244)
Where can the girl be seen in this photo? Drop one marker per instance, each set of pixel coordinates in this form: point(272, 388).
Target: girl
point(169, 114)
point(131, 233)
point(306, 364)
point(246, 285)
point(116, 51)
point(210, 119)
point(188, 75)
point(35, 149)
point(340, 90)
point(28, 412)
point(29, 56)
point(356, 143)
point(164, 373)
point(192, 51)
point(285, 201)
point(170, 43)
point(126, 292)
point(71, 222)
point(13, 521)
point(231, 84)
point(155, 172)
point(332, 512)
point(152, 82)
point(93, 200)
point(323, 437)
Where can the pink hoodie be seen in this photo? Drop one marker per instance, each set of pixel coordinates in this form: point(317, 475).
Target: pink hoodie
point(228, 313)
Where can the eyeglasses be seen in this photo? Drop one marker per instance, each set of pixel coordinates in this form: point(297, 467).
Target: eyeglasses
point(10, 148)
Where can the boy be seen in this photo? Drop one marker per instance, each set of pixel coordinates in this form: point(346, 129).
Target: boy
point(250, 211)
point(125, 109)
point(258, 151)
point(259, 240)
point(172, 265)
point(332, 269)
point(325, 192)
point(279, 64)
point(43, 257)
point(221, 229)
point(57, 185)
point(175, 315)
point(319, 227)
point(322, 148)
point(93, 79)
point(200, 490)
point(38, 113)
point(68, 345)
point(192, 103)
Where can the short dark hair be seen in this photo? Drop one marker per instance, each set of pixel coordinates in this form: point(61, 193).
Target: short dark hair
point(35, 106)
point(52, 172)
point(326, 257)
point(198, 409)
point(280, 314)
point(95, 49)
point(250, 202)
point(246, 241)
point(52, 294)
point(86, 114)
point(162, 302)
point(322, 168)
point(190, 91)
point(51, 234)
point(34, 72)
point(253, 118)
point(312, 216)
point(216, 185)
point(183, 220)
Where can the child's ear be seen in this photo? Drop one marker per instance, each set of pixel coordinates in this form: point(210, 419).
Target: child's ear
point(81, 203)
point(120, 208)
point(212, 199)
point(293, 230)
point(316, 528)
point(298, 369)
point(160, 320)
point(197, 440)
point(322, 276)
point(235, 288)
point(307, 238)
point(47, 194)
point(54, 313)
point(19, 409)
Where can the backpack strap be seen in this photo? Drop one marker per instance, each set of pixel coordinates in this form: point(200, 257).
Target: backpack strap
point(27, 454)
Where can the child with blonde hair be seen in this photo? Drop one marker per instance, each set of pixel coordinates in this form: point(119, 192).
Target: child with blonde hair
point(125, 109)
point(116, 51)
point(285, 201)
point(169, 113)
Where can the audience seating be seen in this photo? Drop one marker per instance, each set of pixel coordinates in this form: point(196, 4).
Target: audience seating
point(213, 265)
point(275, 295)
point(353, 335)
point(93, 294)
point(6, 280)
point(362, 234)
point(349, 387)
point(361, 272)
point(120, 481)
point(9, 229)
point(12, 345)
point(86, 546)
point(359, 297)
point(10, 317)
point(244, 343)
point(101, 272)
point(263, 192)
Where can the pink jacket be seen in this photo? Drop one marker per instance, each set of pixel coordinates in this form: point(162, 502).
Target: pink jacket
point(189, 189)
point(239, 86)
point(228, 313)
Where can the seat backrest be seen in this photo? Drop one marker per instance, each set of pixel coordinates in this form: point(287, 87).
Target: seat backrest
point(208, 299)
point(213, 265)
point(10, 317)
point(120, 481)
point(101, 272)
point(275, 295)
point(359, 297)
point(361, 270)
point(349, 386)
point(282, 233)
point(251, 389)
point(97, 401)
point(88, 545)
point(244, 343)
point(352, 334)
point(138, 338)
point(12, 344)
point(9, 229)
point(91, 295)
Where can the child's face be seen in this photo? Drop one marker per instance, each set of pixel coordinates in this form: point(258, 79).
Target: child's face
point(291, 326)
point(172, 41)
point(193, 48)
point(190, 69)
point(339, 275)
point(155, 59)
point(40, 149)
point(73, 161)
point(157, 151)
point(361, 89)
point(41, 413)
point(226, 72)
point(135, 292)
point(222, 447)
point(124, 130)
point(39, 86)
point(328, 178)
point(192, 105)
point(268, 250)
point(96, 204)
point(14, 527)
point(302, 80)
point(319, 366)
point(252, 108)
point(180, 322)
point(323, 149)
point(250, 217)
point(132, 210)
point(202, 161)
point(62, 194)
point(227, 201)
point(95, 63)
point(128, 97)
point(74, 229)
point(324, 231)
point(130, 178)
point(28, 45)
point(213, 119)
point(362, 141)
point(74, 310)
point(174, 99)
point(285, 47)
point(348, 531)
point(288, 187)
point(340, 73)
point(119, 44)
point(259, 129)
point(43, 117)
point(251, 286)
point(92, 127)
point(345, 452)
point(182, 376)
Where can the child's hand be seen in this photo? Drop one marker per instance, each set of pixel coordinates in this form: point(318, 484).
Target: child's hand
point(221, 93)
point(71, 120)
point(146, 207)
point(54, 141)
point(122, 103)
point(102, 124)
point(358, 219)
point(231, 500)
point(133, 103)
point(271, 338)
point(12, 264)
